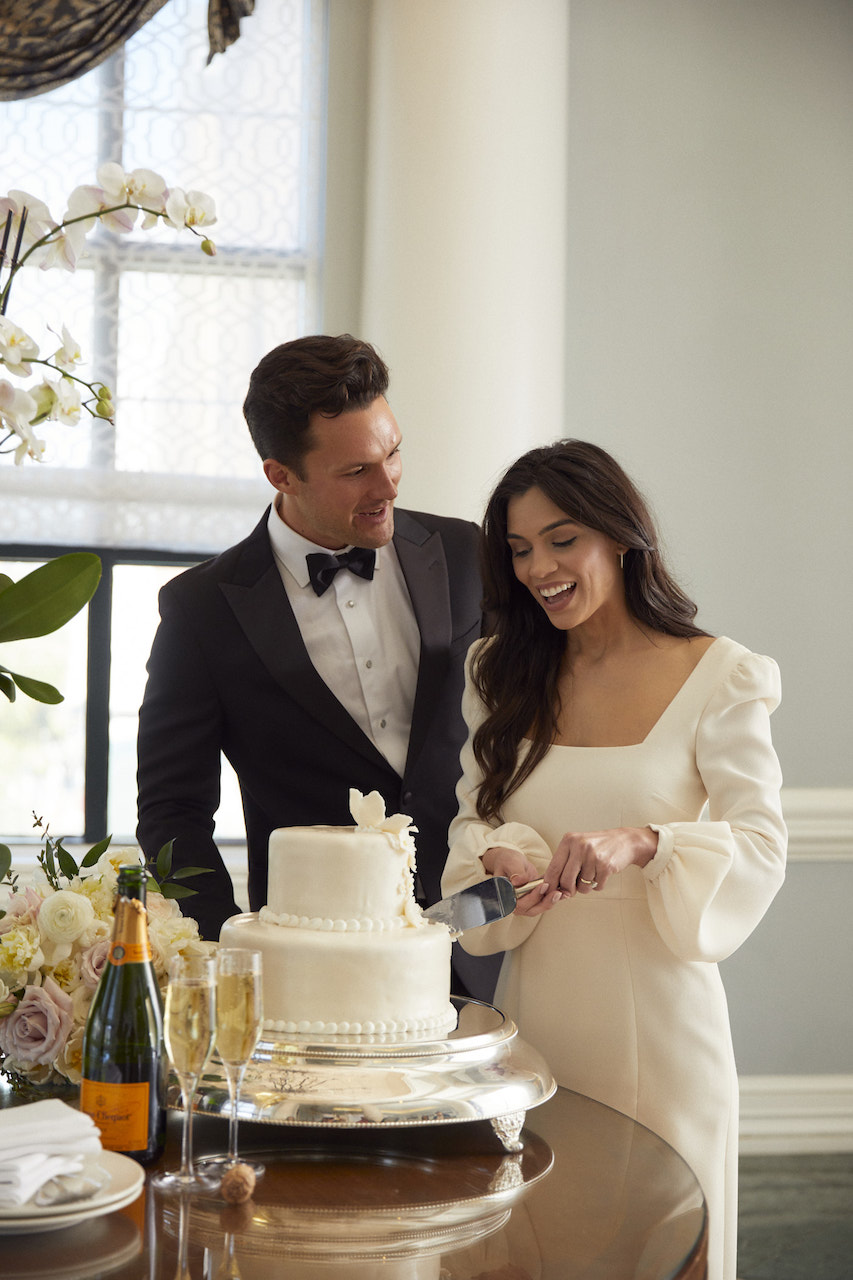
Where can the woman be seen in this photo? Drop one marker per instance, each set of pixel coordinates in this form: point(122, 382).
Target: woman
point(602, 720)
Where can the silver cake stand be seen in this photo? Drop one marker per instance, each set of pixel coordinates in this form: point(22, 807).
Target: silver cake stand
point(482, 1070)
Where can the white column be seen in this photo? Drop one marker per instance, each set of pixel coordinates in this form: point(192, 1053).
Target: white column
point(464, 279)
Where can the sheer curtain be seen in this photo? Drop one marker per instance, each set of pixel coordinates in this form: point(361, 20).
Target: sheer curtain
point(173, 332)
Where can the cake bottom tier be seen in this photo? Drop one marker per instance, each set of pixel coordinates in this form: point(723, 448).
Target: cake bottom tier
point(350, 983)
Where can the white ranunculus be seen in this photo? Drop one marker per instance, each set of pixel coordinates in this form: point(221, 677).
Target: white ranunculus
point(63, 918)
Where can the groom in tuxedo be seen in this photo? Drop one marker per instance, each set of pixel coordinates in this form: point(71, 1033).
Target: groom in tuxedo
point(323, 652)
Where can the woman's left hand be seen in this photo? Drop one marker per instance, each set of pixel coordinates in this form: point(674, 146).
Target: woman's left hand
point(584, 861)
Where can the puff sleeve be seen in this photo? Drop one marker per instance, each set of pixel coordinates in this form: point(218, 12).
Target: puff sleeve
point(469, 838)
point(711, 882)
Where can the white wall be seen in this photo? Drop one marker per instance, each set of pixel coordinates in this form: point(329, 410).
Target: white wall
point(705, 265)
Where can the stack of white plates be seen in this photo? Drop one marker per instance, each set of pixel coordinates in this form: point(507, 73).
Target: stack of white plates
point(120, 1182)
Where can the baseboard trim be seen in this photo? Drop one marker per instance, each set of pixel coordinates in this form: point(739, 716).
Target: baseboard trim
point(820, 823)
point(794, 1115)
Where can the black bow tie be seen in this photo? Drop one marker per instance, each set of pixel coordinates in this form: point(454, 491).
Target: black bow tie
point(322, 566)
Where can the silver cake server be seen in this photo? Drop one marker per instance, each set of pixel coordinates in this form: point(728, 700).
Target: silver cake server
point(479, 904)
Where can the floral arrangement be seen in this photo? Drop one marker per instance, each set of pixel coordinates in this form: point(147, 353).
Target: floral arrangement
point(31, 235)
point(55, 937)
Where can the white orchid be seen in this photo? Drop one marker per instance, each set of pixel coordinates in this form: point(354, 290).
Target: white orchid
point(142, 187)
point(17, 348)
point(189, 209)
point(88, 205)
point(69, 354)
point(117, 201)
point(58, 402)
point(38, 223)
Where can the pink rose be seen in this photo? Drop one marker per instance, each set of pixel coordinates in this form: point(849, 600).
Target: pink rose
point(92, 962)
point(37, 1029)
point(21, 908)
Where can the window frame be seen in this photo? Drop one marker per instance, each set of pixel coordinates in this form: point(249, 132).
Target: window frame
point(99, 663)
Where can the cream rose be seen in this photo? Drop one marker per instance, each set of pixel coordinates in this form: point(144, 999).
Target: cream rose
point(20, 954)
point(69, 1060)
point(92, 962)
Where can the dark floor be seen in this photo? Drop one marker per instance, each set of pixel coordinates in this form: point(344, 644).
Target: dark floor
point(796, 1218)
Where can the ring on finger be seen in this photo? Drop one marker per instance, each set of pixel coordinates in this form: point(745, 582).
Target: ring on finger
point(591, 883)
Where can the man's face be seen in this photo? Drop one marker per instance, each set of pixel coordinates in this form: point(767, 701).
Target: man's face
point(349, 479)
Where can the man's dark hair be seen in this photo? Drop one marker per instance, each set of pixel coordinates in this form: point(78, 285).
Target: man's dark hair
point(317, 374)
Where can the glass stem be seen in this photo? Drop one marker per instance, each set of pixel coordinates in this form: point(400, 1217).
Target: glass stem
point(187, 1094)
point(234, 1076)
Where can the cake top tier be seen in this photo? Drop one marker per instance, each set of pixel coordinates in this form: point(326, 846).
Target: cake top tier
point(345, 878)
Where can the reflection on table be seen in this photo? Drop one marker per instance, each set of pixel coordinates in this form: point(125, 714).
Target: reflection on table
point(592, 1194)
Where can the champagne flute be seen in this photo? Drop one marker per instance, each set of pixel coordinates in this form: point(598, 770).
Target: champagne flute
point(189, 1026)
point(239, 1018)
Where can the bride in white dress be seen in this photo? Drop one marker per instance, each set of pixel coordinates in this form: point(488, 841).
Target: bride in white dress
point(625, 755)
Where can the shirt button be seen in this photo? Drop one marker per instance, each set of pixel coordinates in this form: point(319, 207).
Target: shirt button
point(369, 663)
point(382, 724)
point(350, 604)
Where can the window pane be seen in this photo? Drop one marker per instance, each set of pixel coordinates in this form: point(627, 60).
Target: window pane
point(43, 747)
point(181, 410)
point(134, 621)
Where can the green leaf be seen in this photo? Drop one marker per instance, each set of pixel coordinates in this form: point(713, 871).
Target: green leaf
point(96, 851)
point(5, 581)
point(67, 864)
point(49, 860)
point(47, 598)
point(164, 860)
point(38, 690)
point(185, 872)
point(7, 684)
point(171, 890)
point(5, 861)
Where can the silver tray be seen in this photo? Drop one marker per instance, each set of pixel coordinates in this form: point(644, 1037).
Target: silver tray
point(482, 1070)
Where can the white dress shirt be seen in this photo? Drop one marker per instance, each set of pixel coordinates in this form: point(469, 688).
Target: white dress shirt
point(362, 637)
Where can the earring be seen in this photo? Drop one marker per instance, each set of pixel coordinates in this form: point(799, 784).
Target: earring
point(621, 560)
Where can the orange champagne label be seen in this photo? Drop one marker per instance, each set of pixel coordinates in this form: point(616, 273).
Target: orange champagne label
point(120, 1111)
point(131, 944)
point(129, 952)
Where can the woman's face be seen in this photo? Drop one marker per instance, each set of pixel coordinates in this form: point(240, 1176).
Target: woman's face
point(571, 571)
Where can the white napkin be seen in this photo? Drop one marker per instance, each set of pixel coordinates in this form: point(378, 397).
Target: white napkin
point(38, 1142)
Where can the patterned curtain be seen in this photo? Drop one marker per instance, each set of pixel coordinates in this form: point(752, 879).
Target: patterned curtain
point(46, 43)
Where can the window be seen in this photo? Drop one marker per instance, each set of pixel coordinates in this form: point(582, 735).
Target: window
point(176, 335)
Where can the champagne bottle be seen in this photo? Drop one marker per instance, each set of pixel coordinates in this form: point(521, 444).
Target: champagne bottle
point(124, 1068)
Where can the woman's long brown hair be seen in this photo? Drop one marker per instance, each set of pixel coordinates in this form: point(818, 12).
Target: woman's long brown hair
point(517, 670)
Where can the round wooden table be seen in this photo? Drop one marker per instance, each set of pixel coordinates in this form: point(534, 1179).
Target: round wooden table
point(592, 1194)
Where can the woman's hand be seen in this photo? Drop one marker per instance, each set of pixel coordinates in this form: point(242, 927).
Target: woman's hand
point(519, 870)
point(584, 861)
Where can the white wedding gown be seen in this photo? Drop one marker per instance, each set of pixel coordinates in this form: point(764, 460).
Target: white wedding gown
point(619, 989)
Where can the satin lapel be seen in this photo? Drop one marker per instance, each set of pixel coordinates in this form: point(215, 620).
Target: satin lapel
point(264, 613)
point(422, 559)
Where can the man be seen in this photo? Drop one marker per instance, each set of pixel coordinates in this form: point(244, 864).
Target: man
point(310, 687)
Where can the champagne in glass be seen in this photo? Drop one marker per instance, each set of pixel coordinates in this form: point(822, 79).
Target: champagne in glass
point(239, 1017)
point(189, 1028)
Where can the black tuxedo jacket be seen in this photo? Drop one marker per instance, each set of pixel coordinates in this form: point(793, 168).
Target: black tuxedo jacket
point(229, 672)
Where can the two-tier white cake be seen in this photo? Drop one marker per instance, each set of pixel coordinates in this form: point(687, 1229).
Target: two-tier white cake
point(346, 949)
